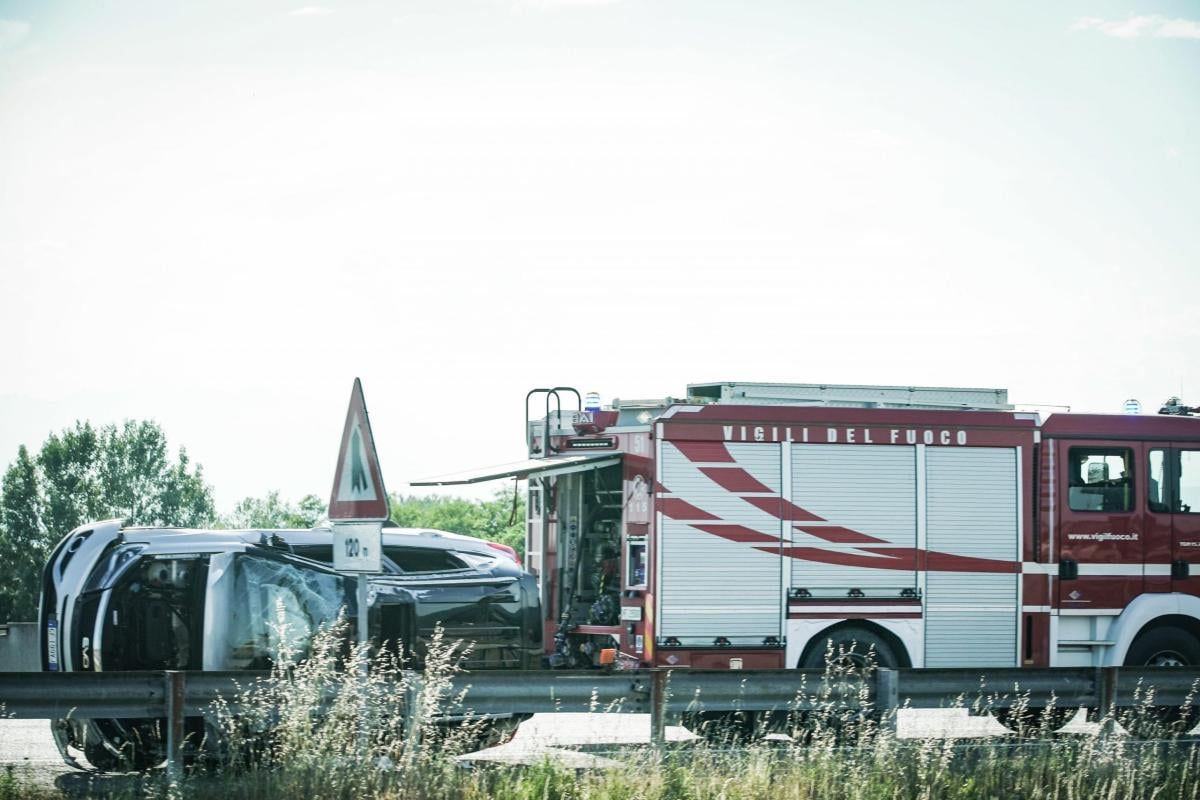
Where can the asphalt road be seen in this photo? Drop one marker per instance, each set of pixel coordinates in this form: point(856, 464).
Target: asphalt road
point(26, 745)
point(28, 748)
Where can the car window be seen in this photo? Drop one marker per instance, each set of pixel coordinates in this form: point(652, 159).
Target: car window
point(315, 552)
point(1157, 489)
point(1100, 479)
point(1189, 482)
point(421, 559)
point(273, 610)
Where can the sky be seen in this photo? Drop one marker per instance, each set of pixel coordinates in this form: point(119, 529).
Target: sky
point(216, 215)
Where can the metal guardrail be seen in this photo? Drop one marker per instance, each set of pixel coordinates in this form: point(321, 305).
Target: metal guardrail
point(662, 693)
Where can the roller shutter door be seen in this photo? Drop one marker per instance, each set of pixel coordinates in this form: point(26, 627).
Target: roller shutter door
point(971, 510)
point(869, 490)
point(710, 586)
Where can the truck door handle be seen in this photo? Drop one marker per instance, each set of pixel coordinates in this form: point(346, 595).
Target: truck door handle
point(1179, 570)
point(1068, 569)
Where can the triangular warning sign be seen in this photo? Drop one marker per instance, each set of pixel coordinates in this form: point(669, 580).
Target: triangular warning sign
point(358, 491)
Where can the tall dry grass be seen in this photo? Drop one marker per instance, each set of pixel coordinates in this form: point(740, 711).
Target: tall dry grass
point(328, 724)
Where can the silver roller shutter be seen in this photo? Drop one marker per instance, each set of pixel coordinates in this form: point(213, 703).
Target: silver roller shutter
point(971, 510)
point(870, 490)
point(710, 586)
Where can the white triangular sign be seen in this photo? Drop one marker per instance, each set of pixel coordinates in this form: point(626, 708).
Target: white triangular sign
point(358, 490)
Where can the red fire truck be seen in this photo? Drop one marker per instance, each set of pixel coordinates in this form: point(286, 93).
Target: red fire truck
point(748, 525)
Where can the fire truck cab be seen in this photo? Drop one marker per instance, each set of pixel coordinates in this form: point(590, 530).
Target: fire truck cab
point(752, 525)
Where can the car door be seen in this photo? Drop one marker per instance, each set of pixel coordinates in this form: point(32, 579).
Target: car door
point(1184, 479)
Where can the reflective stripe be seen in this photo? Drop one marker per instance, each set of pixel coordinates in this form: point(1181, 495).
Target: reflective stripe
point(850, 609)
point(1090, 612)
point(1101, 570)
point(969, 607)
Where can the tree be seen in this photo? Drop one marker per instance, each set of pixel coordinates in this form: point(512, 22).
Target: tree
point(503, 519)
point(271, 512)
point(120, 472)
point(84, 474)
point(23, 545)
point(496, 520)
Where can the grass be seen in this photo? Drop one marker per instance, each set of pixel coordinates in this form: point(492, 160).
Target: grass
point(324, 726)
point(1113, 768)
point(15, 786)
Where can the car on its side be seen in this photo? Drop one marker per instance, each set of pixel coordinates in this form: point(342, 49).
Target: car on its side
point(117, 598)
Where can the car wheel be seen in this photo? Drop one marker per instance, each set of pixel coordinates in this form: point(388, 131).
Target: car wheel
point(100, 758)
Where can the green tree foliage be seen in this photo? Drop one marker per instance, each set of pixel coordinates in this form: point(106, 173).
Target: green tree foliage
point(23, 543)
point(493, 519)
point(272, 512)
point(84, 474)
point(125, 472)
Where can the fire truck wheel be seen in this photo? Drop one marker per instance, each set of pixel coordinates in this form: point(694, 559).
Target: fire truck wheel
point(850, 648)
point(1167, 646)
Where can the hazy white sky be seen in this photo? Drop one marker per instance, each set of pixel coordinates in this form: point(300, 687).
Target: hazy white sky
point(216, 215)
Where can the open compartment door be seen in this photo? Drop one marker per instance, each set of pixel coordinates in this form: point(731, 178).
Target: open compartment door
point(521, 470)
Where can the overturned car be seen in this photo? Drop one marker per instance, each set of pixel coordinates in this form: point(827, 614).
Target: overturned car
point(118, 598)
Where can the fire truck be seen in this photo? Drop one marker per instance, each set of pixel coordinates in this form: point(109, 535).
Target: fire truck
point(753, 525)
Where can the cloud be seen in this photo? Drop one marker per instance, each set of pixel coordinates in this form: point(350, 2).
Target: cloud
point(1155, 26)
point(310, 11)
point(12, 32)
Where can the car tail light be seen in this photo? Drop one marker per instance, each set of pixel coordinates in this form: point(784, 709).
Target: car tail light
point(503, 548)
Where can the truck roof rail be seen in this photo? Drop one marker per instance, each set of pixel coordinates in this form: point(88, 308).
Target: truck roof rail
point(850, 395)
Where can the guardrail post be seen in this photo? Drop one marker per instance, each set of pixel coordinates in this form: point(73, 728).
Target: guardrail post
point(887, 696)
point(1106, 694)
point(175, 693)
point(658, 707)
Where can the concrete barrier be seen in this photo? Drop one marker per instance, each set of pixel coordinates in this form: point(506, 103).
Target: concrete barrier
point(20, 647)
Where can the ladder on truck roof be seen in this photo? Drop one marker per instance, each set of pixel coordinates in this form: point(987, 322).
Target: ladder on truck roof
point(848, 395)
point(640, 412)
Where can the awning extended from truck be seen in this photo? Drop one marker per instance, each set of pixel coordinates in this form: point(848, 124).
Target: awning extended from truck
point(533, 467)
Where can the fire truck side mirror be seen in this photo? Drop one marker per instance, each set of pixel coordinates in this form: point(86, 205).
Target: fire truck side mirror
point(1068, 569)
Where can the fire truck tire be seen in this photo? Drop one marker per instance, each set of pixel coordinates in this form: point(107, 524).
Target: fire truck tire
point(854, 644)
point(1164, 646)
